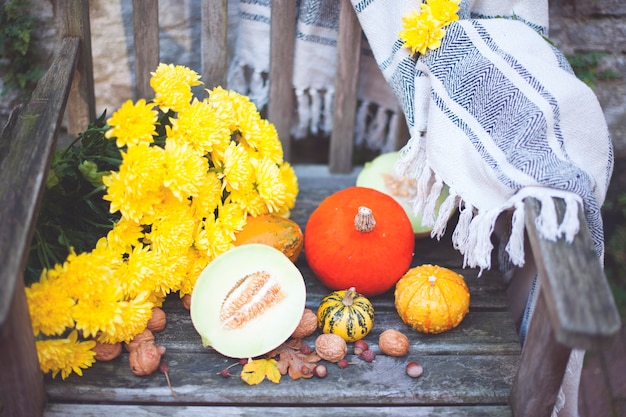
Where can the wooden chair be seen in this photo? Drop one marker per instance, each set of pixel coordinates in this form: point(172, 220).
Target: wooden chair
point(475, 369)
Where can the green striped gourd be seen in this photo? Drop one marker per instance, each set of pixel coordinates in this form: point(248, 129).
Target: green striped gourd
point(347, 314)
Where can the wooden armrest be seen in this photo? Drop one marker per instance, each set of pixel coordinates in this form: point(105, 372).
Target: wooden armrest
point(575, 309)
point(579, 301)
point(29, 141)
point(26, 144)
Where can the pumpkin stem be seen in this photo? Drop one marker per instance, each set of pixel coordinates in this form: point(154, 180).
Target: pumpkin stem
point(364, 220)
point(348, 298)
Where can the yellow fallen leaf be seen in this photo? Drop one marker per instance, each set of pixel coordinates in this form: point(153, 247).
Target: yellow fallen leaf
point(255, 371)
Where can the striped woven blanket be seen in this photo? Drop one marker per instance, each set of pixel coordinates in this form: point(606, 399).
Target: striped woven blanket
point(497, 114)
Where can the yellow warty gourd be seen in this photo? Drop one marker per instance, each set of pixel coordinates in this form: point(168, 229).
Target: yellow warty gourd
point(432, 299)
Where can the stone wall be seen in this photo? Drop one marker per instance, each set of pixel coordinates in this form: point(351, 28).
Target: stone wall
point(577, 27)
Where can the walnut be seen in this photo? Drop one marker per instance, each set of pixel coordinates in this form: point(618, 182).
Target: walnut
point(393, 343)
point(331, 347)
point(144, 337)
point(157, 321)
point(307, 325)
point(107, 351)
point(144, 359)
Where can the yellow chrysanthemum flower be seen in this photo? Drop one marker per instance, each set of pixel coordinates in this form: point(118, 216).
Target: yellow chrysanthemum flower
point(125, 234)
point(209, 196)
point(135, 314)
point(424, 29)
point(269, 185)
point(136, 188)
point(184, 170)
point(65, 355)
point(83, 274)
point(172, 86)
point(421, 32)
point(231, 218)
point(250, 200)
point(221, 101)
point(211, 239)
point(140, 272)
point(444, 11)
point(133, 124)
point(238, 171)
point(171, 231)
point(290, 180)
point(98, 311)
point(49, 307)
point(195, 262)
point(268, 144)
point(199, 125)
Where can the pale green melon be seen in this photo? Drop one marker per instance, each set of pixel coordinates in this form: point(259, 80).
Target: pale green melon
point(376, 174)
point(224, 318)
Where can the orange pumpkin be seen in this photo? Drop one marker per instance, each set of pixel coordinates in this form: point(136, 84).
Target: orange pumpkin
point(273, 230)
point(432, 299)
point(359, 237)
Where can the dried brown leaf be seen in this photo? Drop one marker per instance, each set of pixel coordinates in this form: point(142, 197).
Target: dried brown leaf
point(292, 361)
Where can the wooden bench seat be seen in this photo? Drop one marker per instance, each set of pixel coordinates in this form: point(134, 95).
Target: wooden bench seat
point(475, 369)
point(472, 364)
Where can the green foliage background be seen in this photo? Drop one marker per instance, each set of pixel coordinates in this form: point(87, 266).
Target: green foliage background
point(16, 49)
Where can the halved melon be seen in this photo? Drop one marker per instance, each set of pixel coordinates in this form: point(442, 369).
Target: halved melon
point(379, 174)
point(248, 301)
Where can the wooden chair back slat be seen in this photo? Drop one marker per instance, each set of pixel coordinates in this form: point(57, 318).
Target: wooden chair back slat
point(281, 100)
point(214, 43)
point(345, 102)
point(81, 105)
point(145, 44)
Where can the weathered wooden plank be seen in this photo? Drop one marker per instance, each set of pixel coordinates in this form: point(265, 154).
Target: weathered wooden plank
point(579, 300)
point(282, 40)
point(447, 380)
point(81, 105)
point(98, 410)
point(146, 44)
point(344, 105)
point(214, 43)
point(28, 142)
point(481, 332)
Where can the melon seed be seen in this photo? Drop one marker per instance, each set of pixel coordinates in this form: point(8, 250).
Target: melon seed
point(250, 298)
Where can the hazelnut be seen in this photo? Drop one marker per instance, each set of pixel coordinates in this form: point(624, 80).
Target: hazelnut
point(307, 325)
point(107, 351)
point(144, 359)
point(393, 343)
point(186, 300)
point(331, 347)
point(157, 321)
point(414, 369)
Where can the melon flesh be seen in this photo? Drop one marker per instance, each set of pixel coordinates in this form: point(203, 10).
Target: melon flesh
point(373, 176)
point(226, 314)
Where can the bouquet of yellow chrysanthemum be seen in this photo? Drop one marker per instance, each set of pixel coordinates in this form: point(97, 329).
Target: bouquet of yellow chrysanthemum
point(191, 171)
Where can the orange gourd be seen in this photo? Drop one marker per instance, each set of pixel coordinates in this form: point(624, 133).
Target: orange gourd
point(432, 299)
point(273, 230)
point(359, 237)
